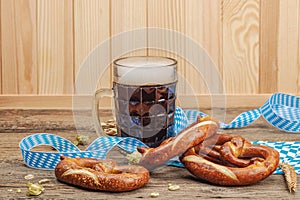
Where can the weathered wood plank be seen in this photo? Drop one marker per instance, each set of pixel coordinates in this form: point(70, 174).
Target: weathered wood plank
point(21, 123)
point(190, 188)
point(13, 171)
point(55, 102)
point(25, 121)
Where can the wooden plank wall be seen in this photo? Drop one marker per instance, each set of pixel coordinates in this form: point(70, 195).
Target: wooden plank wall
point(255, 44)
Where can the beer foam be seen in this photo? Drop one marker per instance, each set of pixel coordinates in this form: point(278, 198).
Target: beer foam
point(145, 70)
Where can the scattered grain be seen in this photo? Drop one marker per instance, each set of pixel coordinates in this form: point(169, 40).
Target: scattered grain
point(154, 194)
point(172, 187)
point(29, 177)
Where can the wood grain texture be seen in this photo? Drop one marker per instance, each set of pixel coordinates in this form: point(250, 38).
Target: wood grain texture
point(128, 15)
point(268, 55)
point(22, 123)
point(298, 87)
point(254, 44)
point(169, 15)
point(55, 46)
point(9, 60)
point(91, 28)
point(288, 47)
point(203, 25)
point(0, 51)
point(19, 52)
point(83, 102)
point(241, 46)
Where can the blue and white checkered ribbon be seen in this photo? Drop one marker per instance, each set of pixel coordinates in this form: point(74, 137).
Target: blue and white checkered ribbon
point(281, 111)
point(48, 160)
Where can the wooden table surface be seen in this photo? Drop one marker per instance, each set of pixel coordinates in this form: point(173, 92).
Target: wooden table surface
point(17, 124)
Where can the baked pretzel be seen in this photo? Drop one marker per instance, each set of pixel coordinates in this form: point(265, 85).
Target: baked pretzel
point(103, 175)
point(232, 161)
point(174, 146)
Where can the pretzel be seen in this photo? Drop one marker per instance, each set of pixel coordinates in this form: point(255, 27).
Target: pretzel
point(174, 146)
point(102, 175)
point(235, 161)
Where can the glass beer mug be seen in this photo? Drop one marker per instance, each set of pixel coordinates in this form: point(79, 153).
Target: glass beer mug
point(144, 95)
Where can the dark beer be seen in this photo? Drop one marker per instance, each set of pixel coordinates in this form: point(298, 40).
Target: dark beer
point(145, 112)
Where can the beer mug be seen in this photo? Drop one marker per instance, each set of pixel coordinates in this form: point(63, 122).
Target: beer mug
point(144, 95)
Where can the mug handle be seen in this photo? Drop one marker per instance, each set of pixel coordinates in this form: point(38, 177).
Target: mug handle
point(106, 92)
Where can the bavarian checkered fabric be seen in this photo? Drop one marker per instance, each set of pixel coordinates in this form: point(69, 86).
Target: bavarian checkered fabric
point(48, 160)
point(281, 110)
point(289, 153)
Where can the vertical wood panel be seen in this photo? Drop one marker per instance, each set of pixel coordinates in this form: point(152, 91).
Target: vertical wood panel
point(19, 55)
point(9, 43)
point(298, 88)
point(0, 50)
point(91, 21)
point(288, 61)
point(204, 26)
point(55, 46)
point(171, 15)
point(128, 15)
point(241, 46)
point(68, 47)
point(255, 44)
point(268, 67)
